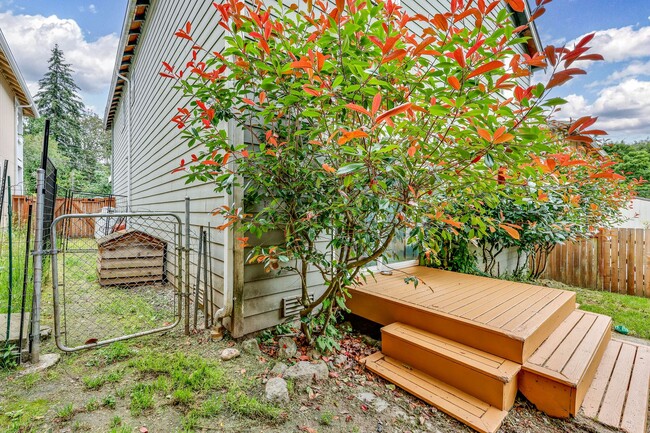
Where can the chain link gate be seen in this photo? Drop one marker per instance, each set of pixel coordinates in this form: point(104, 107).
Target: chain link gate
point(115, 276)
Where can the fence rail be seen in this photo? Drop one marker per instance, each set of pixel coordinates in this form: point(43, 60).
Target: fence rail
point(65, 206)
point(617, 260)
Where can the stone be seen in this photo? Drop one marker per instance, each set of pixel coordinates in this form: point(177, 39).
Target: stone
point(46, 361)
point(370, 341)
point(279, 369)
point(340, 359)
point(286, 348)
point(276, 390)
point(228, 354)
point(314, 354)
point(305, 372)
point(251, 346)
point(377, 403)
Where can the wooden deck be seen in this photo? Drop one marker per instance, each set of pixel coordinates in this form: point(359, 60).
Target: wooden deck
point(504, 318)
point(466, 344)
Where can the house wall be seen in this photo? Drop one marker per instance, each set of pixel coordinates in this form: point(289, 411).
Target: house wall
point(637, 214)
point(7, 134)
point(157, 148)
point(156, 145)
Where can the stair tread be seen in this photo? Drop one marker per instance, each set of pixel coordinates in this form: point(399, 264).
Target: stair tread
point(566, 354)
point(618, 395)
point(458, 404)
point(491, 365)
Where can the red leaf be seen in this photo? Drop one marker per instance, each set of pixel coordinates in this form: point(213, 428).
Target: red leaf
point(248, 101)
point(584, 41)
point(393, 112)
point(495, 64)
point(423, 45)
point(262, 97)
point(484, 134)
point(411, 151)
point(397, 54)
point(376, 103)
point(453, 81)
point(440, 21)
point(511, 231)
point(328, 169)
point(454, 223)
point(459, 57)
point(301, 64)
point(517, 5)
point(390, 43)
point(352, 135)
point(358, 108)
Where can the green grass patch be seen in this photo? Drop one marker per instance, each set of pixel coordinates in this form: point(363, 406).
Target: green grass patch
point(66, 412)
point(22, 415)
point(17, 263)
point(245, 405)
point(142, 399)
point(96, 382)
point(633, 312)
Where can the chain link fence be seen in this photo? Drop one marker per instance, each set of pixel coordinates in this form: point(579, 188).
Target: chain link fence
point(122, 281)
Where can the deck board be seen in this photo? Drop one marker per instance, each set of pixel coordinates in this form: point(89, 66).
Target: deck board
point(493, 315)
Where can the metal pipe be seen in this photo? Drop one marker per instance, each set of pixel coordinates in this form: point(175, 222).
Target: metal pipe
point(2, 187)
point(197, 287)
point(25, 278)
point(128, 142)
point(187, 265)
point(211, 275)
point(38, 266)
point(11, 265)
point(205, 279)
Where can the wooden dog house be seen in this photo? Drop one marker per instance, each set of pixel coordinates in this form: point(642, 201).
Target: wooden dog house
point(130, 257)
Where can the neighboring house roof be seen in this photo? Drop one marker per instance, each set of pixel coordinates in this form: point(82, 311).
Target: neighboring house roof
point(136, 12)
point(9, 69)
point(134, 20)
point(562, 127)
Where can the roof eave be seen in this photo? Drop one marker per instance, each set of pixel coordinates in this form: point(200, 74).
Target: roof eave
point(16, 80)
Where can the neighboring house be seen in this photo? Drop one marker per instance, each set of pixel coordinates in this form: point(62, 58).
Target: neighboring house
point(15, 103)
point(637, 214)
point(147, 147)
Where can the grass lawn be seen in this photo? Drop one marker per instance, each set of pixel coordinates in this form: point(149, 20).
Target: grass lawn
point(633, 312)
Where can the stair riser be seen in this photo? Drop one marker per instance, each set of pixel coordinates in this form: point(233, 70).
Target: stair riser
point(583, 387)
point(491, 390)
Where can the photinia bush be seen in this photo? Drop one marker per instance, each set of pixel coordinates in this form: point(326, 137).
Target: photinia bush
point(361, 122)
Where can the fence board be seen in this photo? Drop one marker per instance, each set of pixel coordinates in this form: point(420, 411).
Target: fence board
point(79, 205)
point(617, 260)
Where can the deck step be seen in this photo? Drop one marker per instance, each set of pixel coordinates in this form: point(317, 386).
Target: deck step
point(489, 378)
point(618, 395)
point(558, 374)
point(454, 402)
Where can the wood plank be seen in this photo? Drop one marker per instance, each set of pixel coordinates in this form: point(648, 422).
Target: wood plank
point(631, 248)
point(638, 262)
point(130, 263)
point(614, 263)
point(594, 397)
point(566, 349)
point(532, 309)
point(468, 410)
point(131, 252)
point(511, 314)
point(604, 260)
point(635, 414)
point(612, 406)
point(497, 307)
point(585, 353)
point(507, 296)
point(646, 253)
point(551, 344)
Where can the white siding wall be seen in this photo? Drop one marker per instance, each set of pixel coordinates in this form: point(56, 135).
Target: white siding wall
point(7, 134)
point(637, 214)
point(156, 145)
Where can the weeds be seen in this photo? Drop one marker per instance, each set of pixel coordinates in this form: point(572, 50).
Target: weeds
point(326, 418)
point(66, 412)
point(92, 405)
point(141, 399)
point(109, 402)
point(96, 382)
point(242, 404)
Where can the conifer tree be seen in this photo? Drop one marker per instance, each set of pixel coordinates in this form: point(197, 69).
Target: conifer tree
point(58, 100)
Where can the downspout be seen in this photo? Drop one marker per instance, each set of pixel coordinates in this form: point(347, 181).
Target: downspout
point(128, 141)
point(228, 259)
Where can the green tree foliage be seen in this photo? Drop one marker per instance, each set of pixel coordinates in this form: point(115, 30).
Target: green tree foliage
point(363, 122)
point(58, 100)
point(634, 163)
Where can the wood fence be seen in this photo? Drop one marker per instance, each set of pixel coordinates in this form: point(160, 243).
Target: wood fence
point(617, 260)
point(83, 228)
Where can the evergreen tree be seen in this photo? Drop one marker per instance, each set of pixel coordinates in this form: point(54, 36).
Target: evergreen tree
point(58, 100)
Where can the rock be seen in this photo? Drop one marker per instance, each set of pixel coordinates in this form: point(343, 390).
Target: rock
point(251, 346)
point(276, 390)
point(398, 413)
point(286, 348)
point(340, 359)
point(279, 369)
point(377, 403)
point(371, 341)
point(228, 354)
point(314, 354)
point(305, 372)
point(46, 361)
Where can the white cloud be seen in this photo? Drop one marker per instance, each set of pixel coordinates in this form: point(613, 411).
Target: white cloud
point(622, 109)
point(91, 8)
point(634, 69)
point(31, 38)
point(620, 44)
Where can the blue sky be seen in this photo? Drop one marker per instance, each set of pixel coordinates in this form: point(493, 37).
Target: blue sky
point(617, 90)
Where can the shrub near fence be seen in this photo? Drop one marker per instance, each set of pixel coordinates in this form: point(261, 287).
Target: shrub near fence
point(617, 260)
point(74, 206)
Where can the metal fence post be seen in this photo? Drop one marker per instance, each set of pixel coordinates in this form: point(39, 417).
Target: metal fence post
point(187, 265)
point(38, 266)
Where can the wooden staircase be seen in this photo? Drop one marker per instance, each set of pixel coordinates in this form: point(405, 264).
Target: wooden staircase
point(574, 367)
